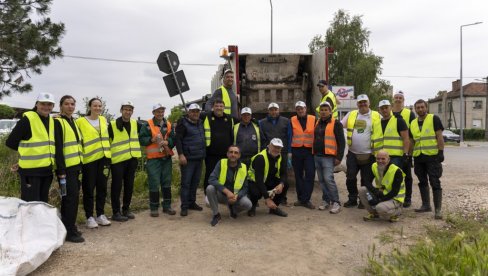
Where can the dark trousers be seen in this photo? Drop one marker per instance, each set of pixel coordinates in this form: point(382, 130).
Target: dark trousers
point(69, 202)
point(304, 168)
point(190, 178)
point(255, 194)
point(35, 188)
point(123, 174)
point(407, 169)
point(284, 164)
point(353, 167)
point(94, 178)
point(429, 171)
point(210, 163)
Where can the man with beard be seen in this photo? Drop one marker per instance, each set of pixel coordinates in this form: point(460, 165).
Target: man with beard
point(386, 198)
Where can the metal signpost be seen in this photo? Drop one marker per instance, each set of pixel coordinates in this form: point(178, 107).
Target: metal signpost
point(175, 81)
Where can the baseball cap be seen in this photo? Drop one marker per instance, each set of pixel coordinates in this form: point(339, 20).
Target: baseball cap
point(129, 103)
point(399, 93)
point(275, 105)
point(325, 104)
point(301, 104)
point(228, 71)
point(322, 83)
point(194, 106)
point(276, 142)
point(246, 110)
point(383, 103)
point(158, 106)
point(362, 97)
point(45, 98)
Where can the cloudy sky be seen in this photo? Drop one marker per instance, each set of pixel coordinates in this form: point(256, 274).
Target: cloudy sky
point(419, 41)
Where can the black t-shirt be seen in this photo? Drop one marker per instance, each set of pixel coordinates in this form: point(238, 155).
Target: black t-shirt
point(401, 125)
point(399, 115)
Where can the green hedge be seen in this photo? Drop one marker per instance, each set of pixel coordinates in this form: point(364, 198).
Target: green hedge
point(472, 133)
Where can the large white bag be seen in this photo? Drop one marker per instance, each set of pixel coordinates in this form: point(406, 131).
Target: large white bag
point(29, 233)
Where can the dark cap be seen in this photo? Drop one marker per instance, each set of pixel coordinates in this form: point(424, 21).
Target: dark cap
point(322, 83)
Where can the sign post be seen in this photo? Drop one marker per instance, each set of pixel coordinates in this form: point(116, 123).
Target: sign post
point(175, 81)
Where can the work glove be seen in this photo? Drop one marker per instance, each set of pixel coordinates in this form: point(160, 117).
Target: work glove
point(372, 198)
point(440, 156)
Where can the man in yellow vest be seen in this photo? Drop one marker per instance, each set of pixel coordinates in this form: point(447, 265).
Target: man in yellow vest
point(300, 153)
point(126, 152)
point(158, 136)
point(327, 96)
point(400, 111)
point(428, 153)
point(228, 185)
point(386, 198)
point(226, 94)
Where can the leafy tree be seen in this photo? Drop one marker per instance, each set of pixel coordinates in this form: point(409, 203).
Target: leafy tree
point(105, 110)
point(6, 112)
point(28, 41)
point(352, 63)
point(176, 114)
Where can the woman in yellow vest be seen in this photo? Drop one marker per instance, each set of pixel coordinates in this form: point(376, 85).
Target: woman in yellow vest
point(33, 138)
point(96, 160)
point(69, 157)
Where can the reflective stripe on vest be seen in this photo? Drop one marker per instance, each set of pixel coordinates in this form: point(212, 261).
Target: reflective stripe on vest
point(425, 139)
point(239, 177)
point(256, 128)
point(390, 141)
point(96, 144)
point(330, 143)
point(300, 137)
point(387, 181)
point(351, 121)
point(226, 100)
point(251, 174)
point(153, 150)
point(39, 150)
point(332, 97)
point(72, 150)
point(124, 147)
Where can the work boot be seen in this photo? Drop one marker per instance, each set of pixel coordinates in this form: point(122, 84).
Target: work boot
point(438, 204)
point(425, 195)
point(170, 211)
point(215, 219)
point(252, 212)
point(351, 203)
point(154, 213)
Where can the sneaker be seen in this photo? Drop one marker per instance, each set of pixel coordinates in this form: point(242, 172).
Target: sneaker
point(351, 203)
point(215, 219)
point(119, 217)
point(73, 237)
point(195, 206)
point(91, 223)
point(128, 214)
point(371, 216)
point(154, 213)
point(394, 219)
point(169, 211)
point(324, 205)
point(184, 212)
point(360, 205)
point(336, 208)
point(278, 212)
point(102, 220)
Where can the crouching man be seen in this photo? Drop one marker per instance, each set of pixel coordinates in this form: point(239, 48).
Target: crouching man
point(228, 185)
point(386, 199)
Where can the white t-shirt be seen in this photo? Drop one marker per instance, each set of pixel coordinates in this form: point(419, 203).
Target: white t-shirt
point(361, 135)
point(95, 123)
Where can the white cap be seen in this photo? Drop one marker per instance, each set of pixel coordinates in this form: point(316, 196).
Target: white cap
point(276, 142)
point(228, 71)
point(325, 104)
point(383, 103)
point(399, 93)
point(362, 97)
point(129, 103)
point(275, 105)
point(194, 106)
point(301, 104)
point(246, 110)
point(45, 98)
point(158, 106)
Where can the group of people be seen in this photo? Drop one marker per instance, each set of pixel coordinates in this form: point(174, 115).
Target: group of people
point(245, 160)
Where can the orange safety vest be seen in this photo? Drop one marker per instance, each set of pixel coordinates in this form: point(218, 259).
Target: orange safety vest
point(300, 137)
point(152, 150)
point(330, 144)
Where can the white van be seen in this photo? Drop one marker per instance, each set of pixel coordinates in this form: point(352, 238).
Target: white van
point(6, 125)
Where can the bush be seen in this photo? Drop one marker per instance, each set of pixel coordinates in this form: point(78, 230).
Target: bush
point(10, 183)
point(472, 133)
point(6, 112)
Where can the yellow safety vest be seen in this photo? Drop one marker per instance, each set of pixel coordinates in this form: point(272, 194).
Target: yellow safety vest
point(406, 116)
point(351, 120)
point(208, 131)
point(251, 173)
point(72, 150)
point(239, 179)
point(226, 99)
point(425, 139)
point(332, 97)
point(390, 141)
point(96, 144)
point(387, 181)
point(39, 150)
point(123, 147)
point(256, 128)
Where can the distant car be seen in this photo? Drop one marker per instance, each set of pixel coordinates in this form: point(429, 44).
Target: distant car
point(6, 125)
point(450, 136)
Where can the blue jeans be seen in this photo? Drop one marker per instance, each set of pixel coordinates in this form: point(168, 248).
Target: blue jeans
point(190, 178)
point(325, 170)
point(397, 160)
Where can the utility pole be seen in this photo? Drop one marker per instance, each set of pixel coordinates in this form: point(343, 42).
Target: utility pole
point(486, 109)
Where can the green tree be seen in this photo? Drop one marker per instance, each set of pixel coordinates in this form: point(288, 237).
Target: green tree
point(28, 41)
point(176, 114)
point(352, 63)
point(105, 110)
point(6, 112)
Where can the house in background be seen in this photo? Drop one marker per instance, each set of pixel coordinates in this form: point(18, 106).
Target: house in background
point(447, 106)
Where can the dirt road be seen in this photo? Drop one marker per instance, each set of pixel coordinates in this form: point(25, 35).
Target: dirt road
point(308, 242)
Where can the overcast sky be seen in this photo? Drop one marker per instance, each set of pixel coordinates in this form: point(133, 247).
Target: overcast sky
point(418, 40)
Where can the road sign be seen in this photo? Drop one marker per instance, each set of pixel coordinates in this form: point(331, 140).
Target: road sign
point(173, 81)
point(168, 62)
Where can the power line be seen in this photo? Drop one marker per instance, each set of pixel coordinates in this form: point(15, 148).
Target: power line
point(134, 61)
point(425, 77)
